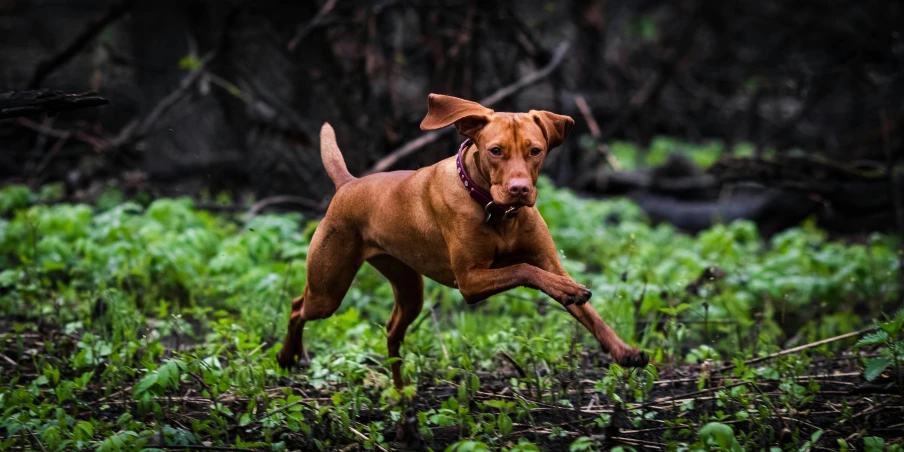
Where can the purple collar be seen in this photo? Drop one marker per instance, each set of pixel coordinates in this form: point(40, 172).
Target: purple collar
point(480, 195)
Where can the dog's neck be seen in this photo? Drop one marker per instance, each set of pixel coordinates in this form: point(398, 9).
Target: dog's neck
point(471, 163)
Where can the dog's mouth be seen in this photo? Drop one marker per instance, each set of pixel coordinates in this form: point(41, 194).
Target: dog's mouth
point(503, 197)
point(519, 202)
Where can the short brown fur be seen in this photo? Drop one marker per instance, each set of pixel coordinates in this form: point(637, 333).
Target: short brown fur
point(410, 224)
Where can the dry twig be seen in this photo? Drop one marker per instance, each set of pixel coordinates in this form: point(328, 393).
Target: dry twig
point(303, 31)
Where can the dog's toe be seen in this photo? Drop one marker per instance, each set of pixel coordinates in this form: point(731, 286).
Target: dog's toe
point(584, 297)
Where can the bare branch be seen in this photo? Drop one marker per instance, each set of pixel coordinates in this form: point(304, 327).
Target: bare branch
point(46, 67)
point(303, 31)
point(136, 131)
point(99, 144)
point(601, 147)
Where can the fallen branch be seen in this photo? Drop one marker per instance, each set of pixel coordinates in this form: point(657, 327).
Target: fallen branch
point(648, 445)
point(365, 438)
point(801, 348)
point(688, 395)
point(429, 137)
point(282, 199)
point(23, 103)
point(46, 67)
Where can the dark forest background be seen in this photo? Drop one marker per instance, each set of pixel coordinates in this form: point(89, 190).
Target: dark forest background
point(213, 96)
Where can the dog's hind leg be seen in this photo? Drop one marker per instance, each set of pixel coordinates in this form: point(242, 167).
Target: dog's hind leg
point(333, 260)
point(408, 288)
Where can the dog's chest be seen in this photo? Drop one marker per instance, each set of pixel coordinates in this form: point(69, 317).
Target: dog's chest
point(509, 246)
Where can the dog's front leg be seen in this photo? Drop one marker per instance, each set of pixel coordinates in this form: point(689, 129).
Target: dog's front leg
point(472, 261)
point(478, 284)
point(622, 353)
point(542, 255)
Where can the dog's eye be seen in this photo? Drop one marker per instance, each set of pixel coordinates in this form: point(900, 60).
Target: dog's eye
point(496, 151)
point(535, 152)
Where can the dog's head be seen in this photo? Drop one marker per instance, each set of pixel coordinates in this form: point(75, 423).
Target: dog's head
point(511, 147)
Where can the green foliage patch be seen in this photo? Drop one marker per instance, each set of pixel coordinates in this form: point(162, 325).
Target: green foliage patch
point(137, 326)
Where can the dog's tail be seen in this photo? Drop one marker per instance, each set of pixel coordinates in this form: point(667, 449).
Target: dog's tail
point(332, 157)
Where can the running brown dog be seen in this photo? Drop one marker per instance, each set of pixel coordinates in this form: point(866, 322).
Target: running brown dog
point(467, 222)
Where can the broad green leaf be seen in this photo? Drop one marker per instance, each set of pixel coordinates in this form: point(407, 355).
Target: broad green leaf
point(146, 383)
point(875, 367)
point(875, 338)
point(581, 444)
point(86, 429)
point(720, 434)
point(873, 444)
point(505, 424)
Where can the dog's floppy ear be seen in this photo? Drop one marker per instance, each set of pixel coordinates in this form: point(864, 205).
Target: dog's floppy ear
point(468, 117)
point(555, 127)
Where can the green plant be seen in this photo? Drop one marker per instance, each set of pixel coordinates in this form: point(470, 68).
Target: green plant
point(718, 436)
point(887, 335)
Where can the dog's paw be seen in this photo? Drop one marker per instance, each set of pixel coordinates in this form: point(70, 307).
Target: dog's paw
point(583, 297)
point(566, 291)
point(577, 295)
point(286, 361)
point(407, 430)
point(634, 358)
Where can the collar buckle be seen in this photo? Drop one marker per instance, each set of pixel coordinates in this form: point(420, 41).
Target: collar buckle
point(486, 209)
